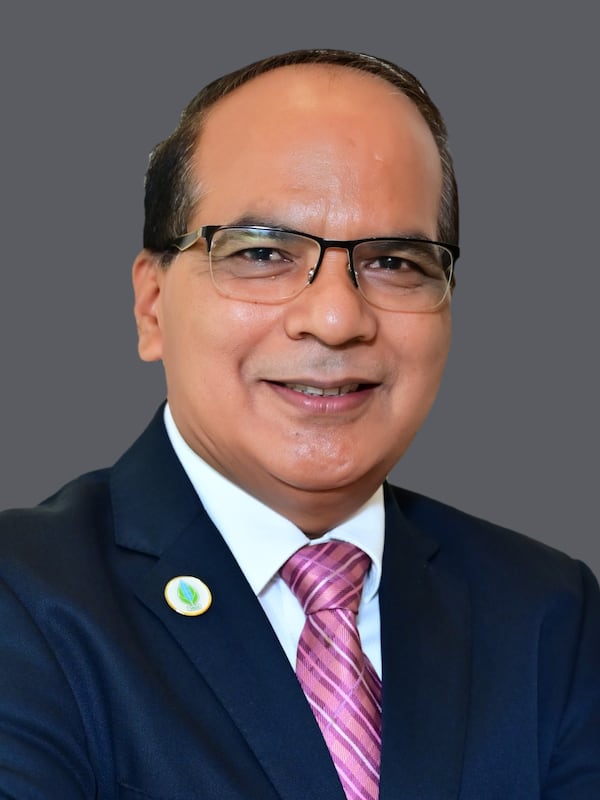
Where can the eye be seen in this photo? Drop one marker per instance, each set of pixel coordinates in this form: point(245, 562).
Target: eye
point(402, 258)
point(256, 254)
point(393, 263)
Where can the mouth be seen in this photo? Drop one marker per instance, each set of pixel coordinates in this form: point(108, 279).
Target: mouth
point(326, 391)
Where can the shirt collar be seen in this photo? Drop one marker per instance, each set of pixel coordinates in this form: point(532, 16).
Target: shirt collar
point(262, 540)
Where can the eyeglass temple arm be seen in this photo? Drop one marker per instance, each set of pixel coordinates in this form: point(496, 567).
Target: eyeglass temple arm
point(186, 241)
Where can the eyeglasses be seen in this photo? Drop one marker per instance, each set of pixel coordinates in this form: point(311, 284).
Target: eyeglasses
point(271, 265)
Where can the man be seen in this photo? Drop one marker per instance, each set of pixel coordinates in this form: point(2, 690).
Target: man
point(300, 238)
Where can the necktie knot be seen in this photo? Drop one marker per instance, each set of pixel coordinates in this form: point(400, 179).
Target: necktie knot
point(327, 576)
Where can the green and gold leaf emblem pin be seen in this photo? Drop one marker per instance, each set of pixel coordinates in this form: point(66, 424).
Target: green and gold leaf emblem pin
point(188, 595)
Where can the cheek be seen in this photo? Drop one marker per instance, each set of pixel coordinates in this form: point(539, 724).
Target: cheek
point(207, 339)
point(422, 350)
point(437, 341)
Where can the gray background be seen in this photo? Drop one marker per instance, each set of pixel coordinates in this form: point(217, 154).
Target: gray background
point(88, 90)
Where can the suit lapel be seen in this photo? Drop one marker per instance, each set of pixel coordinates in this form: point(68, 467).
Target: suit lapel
point(232, 645)
point(425, 651)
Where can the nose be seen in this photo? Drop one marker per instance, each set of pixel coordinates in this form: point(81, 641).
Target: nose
point(331, 309)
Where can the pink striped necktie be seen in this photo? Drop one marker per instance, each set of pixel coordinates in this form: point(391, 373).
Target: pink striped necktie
point(339, 681)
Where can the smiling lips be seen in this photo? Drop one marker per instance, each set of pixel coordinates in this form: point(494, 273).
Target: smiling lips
point(333, 391)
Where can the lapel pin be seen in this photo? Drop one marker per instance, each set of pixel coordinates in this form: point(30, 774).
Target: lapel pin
point(188, 595)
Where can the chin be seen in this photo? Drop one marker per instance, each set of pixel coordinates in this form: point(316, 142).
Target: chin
point(321, 478)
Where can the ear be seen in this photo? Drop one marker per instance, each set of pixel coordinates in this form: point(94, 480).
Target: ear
point(147, 281)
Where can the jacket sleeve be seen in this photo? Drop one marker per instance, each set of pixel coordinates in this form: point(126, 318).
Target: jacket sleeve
point(42, 742)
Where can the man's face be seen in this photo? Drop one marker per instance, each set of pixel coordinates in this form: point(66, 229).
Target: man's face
point(338, 154)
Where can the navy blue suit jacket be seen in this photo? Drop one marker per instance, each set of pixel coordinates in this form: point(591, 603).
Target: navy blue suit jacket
point(490, 645)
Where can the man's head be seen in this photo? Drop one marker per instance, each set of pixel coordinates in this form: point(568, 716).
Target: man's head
point(306, 403)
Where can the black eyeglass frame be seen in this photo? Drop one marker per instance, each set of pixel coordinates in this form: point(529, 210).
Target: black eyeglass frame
point(207, 232)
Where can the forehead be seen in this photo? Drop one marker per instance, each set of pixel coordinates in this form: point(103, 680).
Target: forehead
point(309, 132)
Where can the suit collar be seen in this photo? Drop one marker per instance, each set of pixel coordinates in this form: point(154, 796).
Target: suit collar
point(153, 500)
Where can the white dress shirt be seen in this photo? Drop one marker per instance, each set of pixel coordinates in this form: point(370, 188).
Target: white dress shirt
point(261, 541)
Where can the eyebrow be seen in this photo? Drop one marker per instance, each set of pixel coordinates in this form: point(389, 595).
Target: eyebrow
point(250, 220)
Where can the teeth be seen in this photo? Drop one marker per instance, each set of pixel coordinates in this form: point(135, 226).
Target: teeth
point(317, 390)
